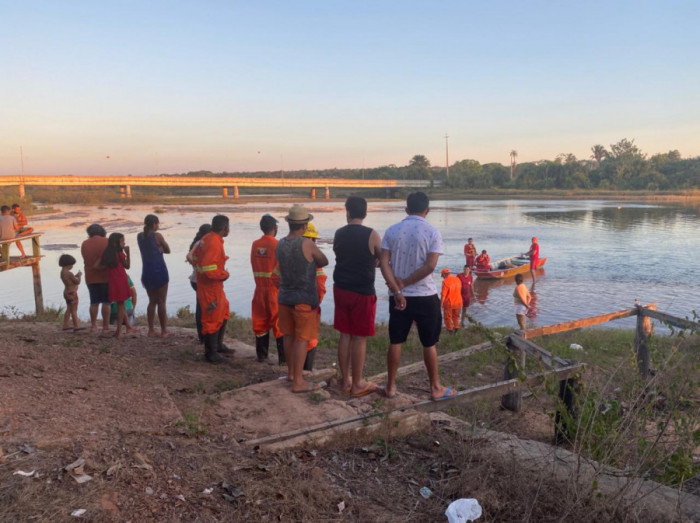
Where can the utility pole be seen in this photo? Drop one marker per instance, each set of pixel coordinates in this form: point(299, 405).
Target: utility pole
point(447, 157)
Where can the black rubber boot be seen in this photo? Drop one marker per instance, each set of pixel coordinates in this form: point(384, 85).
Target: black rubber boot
point(262, 346)
point(210, 354)
point(281, 360)
point(220, 347)
point(309, 361)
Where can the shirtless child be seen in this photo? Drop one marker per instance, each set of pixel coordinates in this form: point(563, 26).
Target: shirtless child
point(70, 292)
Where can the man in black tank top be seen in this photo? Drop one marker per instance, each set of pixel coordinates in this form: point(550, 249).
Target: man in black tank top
point(357, 251)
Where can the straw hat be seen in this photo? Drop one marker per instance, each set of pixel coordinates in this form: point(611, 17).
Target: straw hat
point(298, 214)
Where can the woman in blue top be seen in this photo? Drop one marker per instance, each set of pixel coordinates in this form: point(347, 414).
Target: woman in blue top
point(155, 273)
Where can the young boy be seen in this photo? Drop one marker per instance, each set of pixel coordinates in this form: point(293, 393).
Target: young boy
point(70, 292)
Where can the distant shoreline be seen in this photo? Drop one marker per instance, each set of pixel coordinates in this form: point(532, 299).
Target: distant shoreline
point(690, 197)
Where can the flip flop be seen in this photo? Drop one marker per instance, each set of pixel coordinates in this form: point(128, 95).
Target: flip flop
point(389, 396)
point(448, 393)
point(369, 388)
point(78, 329)
point(311, 386)
point(346, 392)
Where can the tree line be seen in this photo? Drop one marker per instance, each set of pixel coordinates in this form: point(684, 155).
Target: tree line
point(622, 166)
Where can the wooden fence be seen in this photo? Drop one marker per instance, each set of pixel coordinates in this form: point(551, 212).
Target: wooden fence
point(8, 262)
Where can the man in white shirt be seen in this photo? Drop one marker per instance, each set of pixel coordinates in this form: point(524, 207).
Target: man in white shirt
point(409, 255)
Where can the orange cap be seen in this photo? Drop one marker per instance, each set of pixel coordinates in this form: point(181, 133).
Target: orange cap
point(445, 271)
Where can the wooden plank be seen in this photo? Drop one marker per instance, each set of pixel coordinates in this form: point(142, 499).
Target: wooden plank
point(445, 358)
point(500, 388)
point(513, 400)
point(673, 320)
point(490, 390)
point(537, 352)
point(577, 324)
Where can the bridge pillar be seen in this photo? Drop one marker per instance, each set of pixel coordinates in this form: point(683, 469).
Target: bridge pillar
point(224, 192)
point(235, 192)
point(328, 193)
point(122, 191)
point(21, 191)
point(128, 191)
point(313, 194)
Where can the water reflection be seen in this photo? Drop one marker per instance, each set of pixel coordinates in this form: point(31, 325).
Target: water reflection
point(616, 218)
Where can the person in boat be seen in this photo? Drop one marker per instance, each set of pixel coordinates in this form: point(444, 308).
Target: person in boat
point(521, 299)
point(534, 255)
point(470, 253)
point(483, 262)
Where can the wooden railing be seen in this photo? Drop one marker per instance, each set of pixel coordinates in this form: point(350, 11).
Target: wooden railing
point(8, 262)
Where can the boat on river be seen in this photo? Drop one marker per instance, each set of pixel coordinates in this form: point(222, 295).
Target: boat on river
point(508, 268)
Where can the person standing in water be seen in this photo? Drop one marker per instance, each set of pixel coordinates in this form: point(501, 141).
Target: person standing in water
point(155, 276)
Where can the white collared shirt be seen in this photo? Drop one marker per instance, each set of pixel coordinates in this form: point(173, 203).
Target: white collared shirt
point(410, 241)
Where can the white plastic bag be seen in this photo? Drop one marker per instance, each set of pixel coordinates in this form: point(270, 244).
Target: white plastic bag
point(463, 510)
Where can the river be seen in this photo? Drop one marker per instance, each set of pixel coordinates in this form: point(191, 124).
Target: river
point(601, 255)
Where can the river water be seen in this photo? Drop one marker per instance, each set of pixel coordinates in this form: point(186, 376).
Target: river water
point(601, 255)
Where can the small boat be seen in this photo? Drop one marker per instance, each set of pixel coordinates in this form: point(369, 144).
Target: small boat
point(508, 267)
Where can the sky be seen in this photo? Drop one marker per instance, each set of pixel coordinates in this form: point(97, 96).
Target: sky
point(150, 87)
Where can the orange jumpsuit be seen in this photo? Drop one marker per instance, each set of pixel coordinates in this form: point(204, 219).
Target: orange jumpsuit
point(210, 258)
point(265, 309)
point(321, 288)
point(451, 301)
point(483, 262)
point(470, 254)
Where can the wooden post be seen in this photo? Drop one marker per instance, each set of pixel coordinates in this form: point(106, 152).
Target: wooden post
point(313, 194)
point(128, 191)
point(565, 423)
point(641, 342)
point(328, 193)
point(514, 364)
point(36, 276)
point(224, 192)
point(235, 192)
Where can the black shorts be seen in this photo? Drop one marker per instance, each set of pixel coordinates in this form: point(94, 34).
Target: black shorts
point(425, 311)
point(99, 293)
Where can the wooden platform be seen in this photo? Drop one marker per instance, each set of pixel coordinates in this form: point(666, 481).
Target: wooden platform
point(8, 262)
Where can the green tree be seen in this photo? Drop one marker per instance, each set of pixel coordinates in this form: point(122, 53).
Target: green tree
point(599, 153)
point(419, 168)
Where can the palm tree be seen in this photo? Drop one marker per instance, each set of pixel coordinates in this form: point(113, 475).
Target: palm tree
point(599, 153)
point(513, 156)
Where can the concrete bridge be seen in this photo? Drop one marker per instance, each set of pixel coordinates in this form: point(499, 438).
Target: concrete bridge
point(225, 182)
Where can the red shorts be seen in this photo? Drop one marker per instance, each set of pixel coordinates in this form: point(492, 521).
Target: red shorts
point(354, 313)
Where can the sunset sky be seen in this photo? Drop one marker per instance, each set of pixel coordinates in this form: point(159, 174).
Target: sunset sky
point(169, 87)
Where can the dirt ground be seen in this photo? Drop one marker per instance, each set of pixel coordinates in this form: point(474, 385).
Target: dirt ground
point(165, 436)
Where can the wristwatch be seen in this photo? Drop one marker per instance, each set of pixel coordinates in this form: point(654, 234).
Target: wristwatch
point(398, 291)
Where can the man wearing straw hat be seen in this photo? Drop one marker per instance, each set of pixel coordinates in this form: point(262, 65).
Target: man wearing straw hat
point(299, 321)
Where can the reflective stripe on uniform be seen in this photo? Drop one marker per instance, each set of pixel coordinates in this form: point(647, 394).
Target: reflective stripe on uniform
point(262, 274)
point(207, 268)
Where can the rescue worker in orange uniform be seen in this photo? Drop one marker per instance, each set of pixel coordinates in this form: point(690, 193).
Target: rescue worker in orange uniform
point(265, 310)
point(534, 255)
point(470, 253)
point(451, 300)
point(312, 232)
point(209, 259)
point(483, 262)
